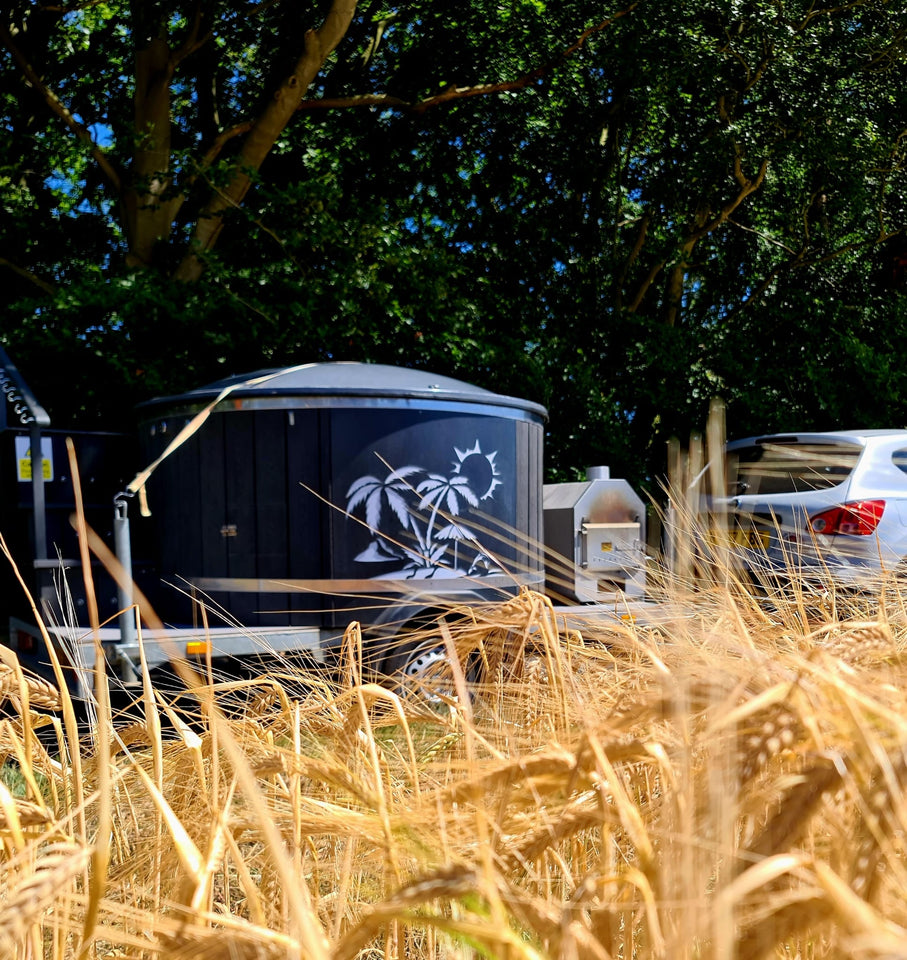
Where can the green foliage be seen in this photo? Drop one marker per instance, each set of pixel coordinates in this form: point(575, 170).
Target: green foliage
point(619, 213)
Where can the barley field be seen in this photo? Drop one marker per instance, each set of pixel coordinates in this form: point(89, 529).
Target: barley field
point(726, 782)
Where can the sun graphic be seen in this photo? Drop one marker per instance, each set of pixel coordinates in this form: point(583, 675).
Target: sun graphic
point(479, 469)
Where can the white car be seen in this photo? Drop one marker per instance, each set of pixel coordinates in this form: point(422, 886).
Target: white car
point(828, 506)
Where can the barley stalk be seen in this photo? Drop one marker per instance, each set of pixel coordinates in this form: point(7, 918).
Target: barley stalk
point(56, 866)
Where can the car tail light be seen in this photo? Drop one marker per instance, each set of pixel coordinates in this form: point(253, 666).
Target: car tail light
point(859, 518)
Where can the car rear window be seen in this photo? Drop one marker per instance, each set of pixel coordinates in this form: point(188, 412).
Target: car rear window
point(784, 466)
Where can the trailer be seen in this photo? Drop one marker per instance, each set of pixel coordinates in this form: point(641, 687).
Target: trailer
point(258, 515)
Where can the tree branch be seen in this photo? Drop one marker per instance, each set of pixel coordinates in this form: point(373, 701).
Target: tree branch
point(28, 275)
point(192, 41)
point(461, 93)
point(363, 100)
point(762, 236)
point(644, 286)
point(375, 42)
point(703, 225)
point(812, 13)
point(747, 187)
point(638, 244)
point(58, 107)
point(220, 141)
point(798, 261)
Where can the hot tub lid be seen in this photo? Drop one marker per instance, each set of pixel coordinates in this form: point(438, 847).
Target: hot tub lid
point(345, 379)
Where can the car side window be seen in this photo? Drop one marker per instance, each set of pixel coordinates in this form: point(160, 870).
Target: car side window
point(899, 459)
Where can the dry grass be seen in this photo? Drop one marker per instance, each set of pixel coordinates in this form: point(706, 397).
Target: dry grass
point(725, 782)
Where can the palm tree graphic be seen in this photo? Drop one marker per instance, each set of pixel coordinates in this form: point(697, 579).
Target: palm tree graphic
point(456, 533)
point(437, 490)
point(373, 492)
point(472, 479)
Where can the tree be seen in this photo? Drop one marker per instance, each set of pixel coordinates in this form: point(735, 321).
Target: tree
point(162, 166)
point(618, 213)
point(144, 174)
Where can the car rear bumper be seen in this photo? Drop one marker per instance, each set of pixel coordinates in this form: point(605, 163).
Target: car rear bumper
point(853, 570)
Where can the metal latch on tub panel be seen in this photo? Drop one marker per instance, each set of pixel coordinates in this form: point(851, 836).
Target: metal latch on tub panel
point(609, 545)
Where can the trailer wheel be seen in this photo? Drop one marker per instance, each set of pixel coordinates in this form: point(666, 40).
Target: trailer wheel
point(420, 670)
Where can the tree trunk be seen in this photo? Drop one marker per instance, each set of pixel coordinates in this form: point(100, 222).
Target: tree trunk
point(148, 212)
point(263, 134)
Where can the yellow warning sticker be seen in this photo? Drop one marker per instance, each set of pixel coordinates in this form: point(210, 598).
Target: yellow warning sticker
point(23, 459)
